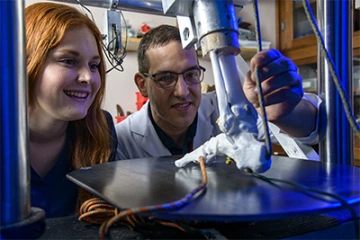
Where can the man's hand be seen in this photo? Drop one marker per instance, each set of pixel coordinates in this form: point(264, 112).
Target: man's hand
point(283, 93)
point(281, 84)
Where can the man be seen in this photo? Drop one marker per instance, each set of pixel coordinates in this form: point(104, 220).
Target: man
point(178, 118)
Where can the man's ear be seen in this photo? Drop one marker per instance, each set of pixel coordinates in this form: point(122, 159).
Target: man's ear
point(140, 82)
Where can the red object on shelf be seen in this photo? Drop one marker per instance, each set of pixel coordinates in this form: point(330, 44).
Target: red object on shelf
point(145, 28)
point(140, 100)
point(120, 118)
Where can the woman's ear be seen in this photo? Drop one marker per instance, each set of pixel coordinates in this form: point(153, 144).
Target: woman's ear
point(140, 82)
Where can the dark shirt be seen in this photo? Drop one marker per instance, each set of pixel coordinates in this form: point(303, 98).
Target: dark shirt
point(54, 193)
point(169, 143)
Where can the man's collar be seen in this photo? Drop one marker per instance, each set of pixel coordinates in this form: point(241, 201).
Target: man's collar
point(169, 143)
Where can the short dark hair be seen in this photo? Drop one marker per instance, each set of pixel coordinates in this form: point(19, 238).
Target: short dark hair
point(156, 37)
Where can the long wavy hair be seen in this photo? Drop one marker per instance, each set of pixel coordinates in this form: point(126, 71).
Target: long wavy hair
point(46, 24)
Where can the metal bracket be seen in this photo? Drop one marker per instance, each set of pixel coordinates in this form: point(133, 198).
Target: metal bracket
point(187, 31)
point(112, 31)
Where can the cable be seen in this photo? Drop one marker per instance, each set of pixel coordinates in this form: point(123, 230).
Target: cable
point(115, 59)
point(98, 211)
point(306, 189)
point(298, 186)
point(336, 78)
point(112, 57)
point(258, 83)
point(82, 6)
point(116, 56)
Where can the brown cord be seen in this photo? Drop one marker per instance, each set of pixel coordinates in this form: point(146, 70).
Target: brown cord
point(98, 211)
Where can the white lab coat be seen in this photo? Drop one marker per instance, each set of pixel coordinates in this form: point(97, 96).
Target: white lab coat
point(138, 139)
point(137, 136)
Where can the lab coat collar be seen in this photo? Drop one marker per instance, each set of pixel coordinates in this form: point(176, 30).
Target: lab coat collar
point(150, 141)
point(152, 144)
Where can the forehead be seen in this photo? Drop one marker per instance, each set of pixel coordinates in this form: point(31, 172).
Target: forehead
point(171, 57)
point(81, 38)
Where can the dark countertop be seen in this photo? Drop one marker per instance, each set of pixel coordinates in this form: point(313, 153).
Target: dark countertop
point(336, 224)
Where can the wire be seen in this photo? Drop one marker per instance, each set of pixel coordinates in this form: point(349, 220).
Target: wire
point(82, 6)
point(336, 78)
point(306, 189)
point(100, 212)
point(258, 83)
point(299, 186)
point(115, 59)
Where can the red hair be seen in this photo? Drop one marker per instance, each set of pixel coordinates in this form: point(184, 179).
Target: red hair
point(46, 24)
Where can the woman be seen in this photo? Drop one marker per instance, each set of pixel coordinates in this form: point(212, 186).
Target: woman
point(68, 130)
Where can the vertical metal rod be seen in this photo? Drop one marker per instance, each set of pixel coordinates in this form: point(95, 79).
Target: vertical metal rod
point(15, 179)
point(15, 200)
point(335, 23)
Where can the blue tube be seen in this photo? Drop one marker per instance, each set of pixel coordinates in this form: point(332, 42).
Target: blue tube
point(14, 169)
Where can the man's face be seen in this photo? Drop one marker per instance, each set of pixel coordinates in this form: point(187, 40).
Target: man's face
point(173, 109)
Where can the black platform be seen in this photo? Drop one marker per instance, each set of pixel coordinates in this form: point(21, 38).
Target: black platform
point(235, 204)
point(231, 194)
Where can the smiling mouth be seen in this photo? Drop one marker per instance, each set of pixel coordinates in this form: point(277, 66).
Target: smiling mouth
point(73, 94)
point(181, 105)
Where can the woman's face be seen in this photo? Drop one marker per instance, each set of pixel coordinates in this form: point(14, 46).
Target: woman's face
point(70, 79)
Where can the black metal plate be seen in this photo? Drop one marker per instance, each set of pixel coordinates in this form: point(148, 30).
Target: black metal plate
point(231, 194)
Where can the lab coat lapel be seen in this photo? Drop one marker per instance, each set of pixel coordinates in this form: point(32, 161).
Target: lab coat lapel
point(147, 138)
point(152, 144)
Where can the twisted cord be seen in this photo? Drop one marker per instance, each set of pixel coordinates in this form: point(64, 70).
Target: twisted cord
point(348, 111)
point(258, 83)
point(100, 212)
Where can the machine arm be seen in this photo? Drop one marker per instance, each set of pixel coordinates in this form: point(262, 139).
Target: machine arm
point(213, 26)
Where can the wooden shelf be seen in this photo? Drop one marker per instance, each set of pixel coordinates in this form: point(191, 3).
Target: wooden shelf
point(303, 50)
point(356, 91)
point(356, 41)
point(133, 44)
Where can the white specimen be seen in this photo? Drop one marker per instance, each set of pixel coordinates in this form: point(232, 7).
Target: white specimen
point(237, 121)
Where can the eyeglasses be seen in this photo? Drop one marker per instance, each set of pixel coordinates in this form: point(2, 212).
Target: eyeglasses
point(169, 79)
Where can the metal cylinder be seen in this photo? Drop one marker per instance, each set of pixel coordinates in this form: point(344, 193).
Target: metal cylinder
point(232, 80)
point(15, 175)
point(335, 21)
point(216, 26)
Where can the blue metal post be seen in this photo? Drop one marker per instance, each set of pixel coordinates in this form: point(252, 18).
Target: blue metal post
point(18, 219)
point(14, 148)
point(335, 22)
